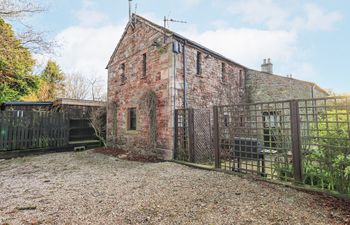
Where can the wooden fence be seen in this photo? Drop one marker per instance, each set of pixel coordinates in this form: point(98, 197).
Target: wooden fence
point(21, 130)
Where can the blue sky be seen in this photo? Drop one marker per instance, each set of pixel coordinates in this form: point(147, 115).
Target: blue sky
point(308, 39)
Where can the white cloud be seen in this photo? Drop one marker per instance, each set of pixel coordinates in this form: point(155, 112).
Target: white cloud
point(87, 49)
point(90, 18)
point(318, 19)
point(261, 12)
point(87, 46)
point(249, 46)
point(276, 36)
point(219, 24)
point(274, 15)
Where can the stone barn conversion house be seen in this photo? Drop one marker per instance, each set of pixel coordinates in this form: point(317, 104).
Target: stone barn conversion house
point(154, 71)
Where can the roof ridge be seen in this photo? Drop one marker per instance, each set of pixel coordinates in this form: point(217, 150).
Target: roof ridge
point(174, 34)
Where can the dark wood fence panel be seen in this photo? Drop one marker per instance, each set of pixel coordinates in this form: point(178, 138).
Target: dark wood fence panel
point(21, 130)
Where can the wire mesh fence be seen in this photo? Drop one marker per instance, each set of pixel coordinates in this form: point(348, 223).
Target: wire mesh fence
point(307, 141)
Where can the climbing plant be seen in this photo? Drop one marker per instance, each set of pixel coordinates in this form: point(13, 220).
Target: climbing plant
point(149, 106)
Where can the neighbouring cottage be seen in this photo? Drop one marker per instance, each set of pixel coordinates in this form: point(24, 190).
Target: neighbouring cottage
point(154, 71)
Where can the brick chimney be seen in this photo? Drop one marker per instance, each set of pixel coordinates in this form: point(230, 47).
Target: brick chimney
point(267, 66)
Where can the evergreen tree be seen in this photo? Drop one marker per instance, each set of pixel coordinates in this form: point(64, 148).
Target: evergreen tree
point(16, 66)
point(53, 79)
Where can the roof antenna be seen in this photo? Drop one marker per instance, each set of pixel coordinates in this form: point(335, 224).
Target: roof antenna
point(167, 20)
point(130, 9)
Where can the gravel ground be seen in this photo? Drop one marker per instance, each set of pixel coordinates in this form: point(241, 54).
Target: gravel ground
point(91, 188)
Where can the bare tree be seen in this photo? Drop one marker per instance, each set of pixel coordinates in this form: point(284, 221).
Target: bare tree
point(98, 91)
point(17, 10)
point(76, 86)
point(98, 123)
point(36, 41)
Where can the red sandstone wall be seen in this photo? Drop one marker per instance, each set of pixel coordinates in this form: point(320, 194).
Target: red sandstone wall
point(136, 42)
point(204, 90)
point(208, 88)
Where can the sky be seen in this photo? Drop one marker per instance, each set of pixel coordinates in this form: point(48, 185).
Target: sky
point(306, 39)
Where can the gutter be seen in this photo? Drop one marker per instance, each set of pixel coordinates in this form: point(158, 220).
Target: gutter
point(194, 44)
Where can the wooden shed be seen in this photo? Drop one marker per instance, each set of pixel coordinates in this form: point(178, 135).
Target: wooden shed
point(80, 131)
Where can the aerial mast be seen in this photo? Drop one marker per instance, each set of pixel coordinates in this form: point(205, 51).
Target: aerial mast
point(130, 9)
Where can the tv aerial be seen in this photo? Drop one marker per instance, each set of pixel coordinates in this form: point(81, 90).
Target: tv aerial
point(168, 20)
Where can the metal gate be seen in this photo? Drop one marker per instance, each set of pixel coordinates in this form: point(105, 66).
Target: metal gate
point(202, 134)
point(194, 140)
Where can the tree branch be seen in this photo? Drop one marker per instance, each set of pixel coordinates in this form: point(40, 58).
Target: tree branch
point(18, 8)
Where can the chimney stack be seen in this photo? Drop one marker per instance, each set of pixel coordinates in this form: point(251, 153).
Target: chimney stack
point(267, 66)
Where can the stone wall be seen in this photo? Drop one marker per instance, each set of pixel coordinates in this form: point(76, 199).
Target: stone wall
point(208, 88)
point(142, 39)
point(165, 77)
point(265, 87)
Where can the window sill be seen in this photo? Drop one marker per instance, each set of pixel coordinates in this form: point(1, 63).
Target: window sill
point(132, 132)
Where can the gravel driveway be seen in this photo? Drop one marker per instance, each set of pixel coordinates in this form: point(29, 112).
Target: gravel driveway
point(91, 188)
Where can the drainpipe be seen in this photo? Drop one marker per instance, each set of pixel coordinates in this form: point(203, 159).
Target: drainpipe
point(314, 113)
point(185, 72)
point(174, 107)
point(313, 91)
point(130, 10)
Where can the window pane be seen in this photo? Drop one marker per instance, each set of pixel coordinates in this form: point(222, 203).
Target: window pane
point(144, 65)
point(199, 58)
point(122, 75)
point(223, 71)
point(132, 119)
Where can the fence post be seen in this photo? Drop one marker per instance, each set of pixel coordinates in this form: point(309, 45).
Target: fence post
point(216, 137)
point(191, 134)
point(176, 133)
point(296, 142)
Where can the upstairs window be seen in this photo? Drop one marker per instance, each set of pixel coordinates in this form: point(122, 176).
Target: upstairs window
point(223, 72)
point(241, 78)
point(199, 61)
point(122, 73)
point(241, 121)
point(226, 120)
point(144, 65)
point(132, 119)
